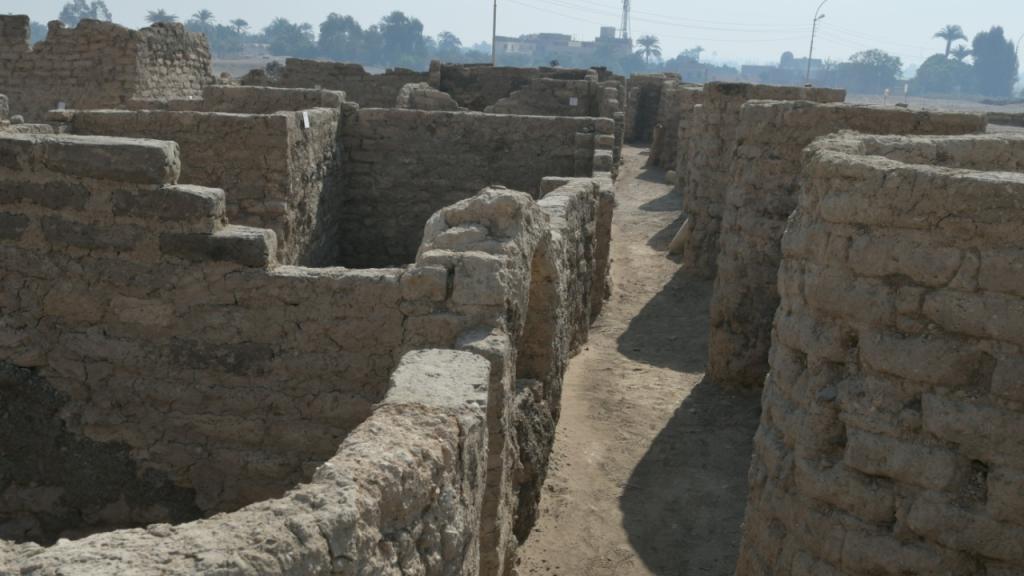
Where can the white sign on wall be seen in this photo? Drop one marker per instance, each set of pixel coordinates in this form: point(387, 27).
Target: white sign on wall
point(305, 120)
point(574, 101)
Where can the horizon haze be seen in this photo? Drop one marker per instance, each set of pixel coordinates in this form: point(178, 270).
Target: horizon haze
point(743, 31)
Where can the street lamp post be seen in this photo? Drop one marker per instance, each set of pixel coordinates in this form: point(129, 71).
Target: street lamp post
point(494, 37)
point(818, 16)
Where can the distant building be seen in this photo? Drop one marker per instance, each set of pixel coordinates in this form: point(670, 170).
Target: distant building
point(563, 45)
point(789, 72)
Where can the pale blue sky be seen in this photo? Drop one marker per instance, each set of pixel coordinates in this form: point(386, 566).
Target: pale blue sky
point(731, 30)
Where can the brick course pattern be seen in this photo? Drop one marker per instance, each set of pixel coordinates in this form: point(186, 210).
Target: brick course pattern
point(675, 116)
point(98, 65)
point(401, 166)
point(149, 345)
point(770, 139)
point(708, 163)
point(893, 413)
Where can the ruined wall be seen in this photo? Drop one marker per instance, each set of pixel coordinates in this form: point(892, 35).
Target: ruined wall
point(99, 65)
point(675, 115)
point(522, 278)
point(890, 437)
point(165, 340)
point(367, 90)
point(770, 139)
point(401, 166)
point(402, 494)
point(275, 173)
point(477, 86)
point(644, 101)
point(422, 96)
point(160, 338)
point(245, 100)
point(710, 151)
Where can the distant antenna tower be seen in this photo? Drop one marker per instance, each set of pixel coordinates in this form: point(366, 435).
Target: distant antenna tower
point(624, 30)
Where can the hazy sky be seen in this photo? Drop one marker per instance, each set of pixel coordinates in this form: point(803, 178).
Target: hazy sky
point(730, 30)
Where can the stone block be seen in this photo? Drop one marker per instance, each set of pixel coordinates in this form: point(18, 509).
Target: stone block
point(249, 247)
point(956, 528)
point(91, 236)
point(426, 283)
point(929, 467)
point(982, 431)
point(115, 159)
point(12, 226)
point(187, 205)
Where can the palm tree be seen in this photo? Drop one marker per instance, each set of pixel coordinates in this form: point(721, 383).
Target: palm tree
point(204, 17)
point(649, 46)
point(240, 25)
point(950, 33)
point(961, 52)
point(161, 15)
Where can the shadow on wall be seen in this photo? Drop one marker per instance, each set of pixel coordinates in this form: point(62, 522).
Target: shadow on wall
point(684, 503)
point(664, 334)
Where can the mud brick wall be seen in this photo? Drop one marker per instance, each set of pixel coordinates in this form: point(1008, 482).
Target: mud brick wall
point(675, 112)
point(770, 139)
point(99, 65)
point(247, 100)
point(168, 355)
point(477, 86)
point(890, 441)
point(367, 90)
point(644, 101)
point(402, 494)
point(710, 150)
point(550, 97)
point(276, 173)
point(522, 279)
point(401, 166)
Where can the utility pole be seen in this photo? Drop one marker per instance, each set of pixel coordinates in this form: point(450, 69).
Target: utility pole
point(818, 16)
point(494, 37)
point(624, 27)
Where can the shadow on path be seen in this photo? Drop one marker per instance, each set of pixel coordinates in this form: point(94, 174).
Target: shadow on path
point(693, 481)
point(671, 331)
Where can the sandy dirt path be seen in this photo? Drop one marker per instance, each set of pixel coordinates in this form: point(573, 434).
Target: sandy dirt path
point(648, 474)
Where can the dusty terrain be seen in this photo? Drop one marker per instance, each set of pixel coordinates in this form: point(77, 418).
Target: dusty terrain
point(649, 470)
point(945, 104)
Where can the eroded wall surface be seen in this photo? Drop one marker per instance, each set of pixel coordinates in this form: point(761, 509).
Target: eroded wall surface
point(402, 494)
point(98, 65)
point(675, 116)
point(893, 413)
point(770, 139)
point(368, 90)
point(644, 101)
point(276, 173)
point(401, 166)
point(140, 326)
point(709, 161)
point(169, 339)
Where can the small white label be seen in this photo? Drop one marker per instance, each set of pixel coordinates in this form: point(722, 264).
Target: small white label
point(305, 120)
point(574, 101)
point(62, 106)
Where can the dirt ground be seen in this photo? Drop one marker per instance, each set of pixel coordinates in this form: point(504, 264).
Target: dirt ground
point(649, 469)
